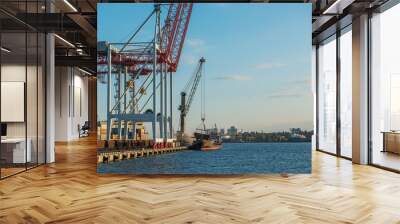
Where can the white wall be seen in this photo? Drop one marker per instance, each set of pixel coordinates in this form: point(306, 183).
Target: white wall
point(71, 87)
point(10, 73)
point(17, 73)
point(61, 103)
point(80, 94)
point(33, 126)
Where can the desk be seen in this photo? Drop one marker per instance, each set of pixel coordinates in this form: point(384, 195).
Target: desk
point(391, 141)
point(13, 150)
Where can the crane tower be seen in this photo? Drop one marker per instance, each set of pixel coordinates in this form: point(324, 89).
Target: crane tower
point(136, 75)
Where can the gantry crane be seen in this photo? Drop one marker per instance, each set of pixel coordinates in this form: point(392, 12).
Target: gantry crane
point(191, 86)
point(138, 69)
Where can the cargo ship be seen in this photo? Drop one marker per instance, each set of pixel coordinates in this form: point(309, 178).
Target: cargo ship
point(205, 140)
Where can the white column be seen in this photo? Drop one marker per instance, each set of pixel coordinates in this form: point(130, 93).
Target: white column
point(50, 98)
point(360, 90)
point(109, 61)
point(171, 135)
point(165, 117)
point(161, 102)
point(314, 93)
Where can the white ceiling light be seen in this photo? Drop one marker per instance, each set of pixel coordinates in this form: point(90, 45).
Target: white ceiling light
point(338, 6)
point(84, 71)
point(70, 5)
point(5, 50)
point(79, 51)
point(65, 41)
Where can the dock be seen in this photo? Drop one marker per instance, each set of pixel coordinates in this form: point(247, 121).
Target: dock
point(113, 155)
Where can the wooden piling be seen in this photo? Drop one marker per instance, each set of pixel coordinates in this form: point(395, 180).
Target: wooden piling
point(118, 155)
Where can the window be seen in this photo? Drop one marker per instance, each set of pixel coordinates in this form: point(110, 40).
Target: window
point(385, 89)
point(327, 95)
point(346, 92)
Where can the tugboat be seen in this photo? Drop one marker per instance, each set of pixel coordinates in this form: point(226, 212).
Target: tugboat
point(206, 140)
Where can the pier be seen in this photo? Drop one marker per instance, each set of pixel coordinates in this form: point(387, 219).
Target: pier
point(138, 76)
point(105, 155)
point(124, 150)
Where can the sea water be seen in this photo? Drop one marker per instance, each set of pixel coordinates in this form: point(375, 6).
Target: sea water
point(233, 158)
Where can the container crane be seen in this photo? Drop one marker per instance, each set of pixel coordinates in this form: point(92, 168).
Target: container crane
point(190, 91)
point(136, 68)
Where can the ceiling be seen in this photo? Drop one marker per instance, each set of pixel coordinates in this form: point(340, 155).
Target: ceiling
point(331, 15)
point(76, 22)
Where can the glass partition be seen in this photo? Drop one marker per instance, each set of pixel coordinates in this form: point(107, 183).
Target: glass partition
point(13, 121)
point(385, 89)
point(22, 91)
point(31, 97)
point(327, 95)
point(346, 92)
point(41, 97)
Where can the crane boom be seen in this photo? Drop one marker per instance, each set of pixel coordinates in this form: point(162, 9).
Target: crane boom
point(138, 56)
point(192, 85)
point(174, 33)
point(175, 49)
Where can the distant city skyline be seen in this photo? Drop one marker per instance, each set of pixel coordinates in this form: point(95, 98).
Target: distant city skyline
point(250, 130)
point(258, 61)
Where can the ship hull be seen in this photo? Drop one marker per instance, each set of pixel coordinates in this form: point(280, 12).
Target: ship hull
point(211, 148)
point(205, 145)
point(203, 142)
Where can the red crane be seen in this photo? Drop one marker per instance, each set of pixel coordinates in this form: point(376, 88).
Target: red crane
point(170, 41)
point(174, 33)
point(135, 59)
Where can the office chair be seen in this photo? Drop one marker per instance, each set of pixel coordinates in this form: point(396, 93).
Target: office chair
point(84, 130)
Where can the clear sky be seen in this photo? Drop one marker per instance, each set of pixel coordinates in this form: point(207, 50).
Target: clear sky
point(258, 61)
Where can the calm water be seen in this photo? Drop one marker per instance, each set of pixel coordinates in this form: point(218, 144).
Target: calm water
point(233, 158)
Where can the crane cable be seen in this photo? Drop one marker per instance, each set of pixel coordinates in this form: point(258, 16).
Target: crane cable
point(191, 80)
point(203, 94)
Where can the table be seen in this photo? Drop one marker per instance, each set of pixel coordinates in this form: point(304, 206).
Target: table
point(13, 150)
point(391, 141)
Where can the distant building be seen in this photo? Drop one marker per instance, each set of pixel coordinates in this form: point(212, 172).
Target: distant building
point(297, 133)
point(214, 130)
point(295, 130)
point(232, 131)
point(298, 136)
point(222, 131)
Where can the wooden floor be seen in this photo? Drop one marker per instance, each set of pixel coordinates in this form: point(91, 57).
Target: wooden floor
point(5, 172)
point(387, 159)
point(70, 191)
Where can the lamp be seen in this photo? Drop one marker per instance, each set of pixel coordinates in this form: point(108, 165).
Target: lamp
point(84, 71)
point(5, 50)
point(70, 5)
point(65, 41)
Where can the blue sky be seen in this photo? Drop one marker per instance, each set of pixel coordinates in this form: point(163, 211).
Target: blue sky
point(258, 61)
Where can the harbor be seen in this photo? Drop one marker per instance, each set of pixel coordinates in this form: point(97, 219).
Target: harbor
point(113, 155)
point(150, 108)
point(137, 78)
point(233, 158)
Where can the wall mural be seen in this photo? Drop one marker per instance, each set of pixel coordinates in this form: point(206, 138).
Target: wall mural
point(189, 88)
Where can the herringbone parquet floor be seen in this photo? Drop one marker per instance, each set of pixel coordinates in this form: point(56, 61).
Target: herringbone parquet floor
point(70, 191)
